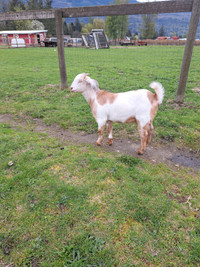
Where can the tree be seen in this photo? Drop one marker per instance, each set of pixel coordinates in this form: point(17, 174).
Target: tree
point(34, 4)
point(122, 26)
point(3, 6)
point(49, 23)
point(161, 31)
point(36, 25)
point(78, 25)
point(65, 28)
point(14, 5)
point(112, 27)
point(93, 24)
point(129, 34)
point(148, 27)
point(19, 5)
point(116, 26)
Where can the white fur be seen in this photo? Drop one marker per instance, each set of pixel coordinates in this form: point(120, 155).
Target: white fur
point(159, 91)
point(126, 105)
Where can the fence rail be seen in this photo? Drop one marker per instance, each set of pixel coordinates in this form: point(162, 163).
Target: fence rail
point(110, 10)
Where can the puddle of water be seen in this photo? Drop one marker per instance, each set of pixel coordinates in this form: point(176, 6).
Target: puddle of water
point(186, 161)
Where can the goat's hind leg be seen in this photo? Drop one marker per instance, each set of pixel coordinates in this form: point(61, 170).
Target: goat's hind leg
point(143, 138)
point(109, 129)
point(149, 133)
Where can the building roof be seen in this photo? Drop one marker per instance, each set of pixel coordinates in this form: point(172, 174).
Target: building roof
point(22, 32)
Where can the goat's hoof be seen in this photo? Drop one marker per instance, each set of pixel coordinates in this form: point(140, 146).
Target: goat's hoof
point(110, 142)
point(98, 143)
point(140, 152)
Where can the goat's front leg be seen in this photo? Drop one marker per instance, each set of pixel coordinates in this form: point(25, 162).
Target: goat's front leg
point(109, 129)
point(101, 129)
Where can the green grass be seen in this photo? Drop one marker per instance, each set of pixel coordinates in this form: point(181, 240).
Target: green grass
point(26, 72)
point(79, 206)
point(82, 206)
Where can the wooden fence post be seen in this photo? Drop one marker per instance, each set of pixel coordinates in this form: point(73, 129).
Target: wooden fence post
point(188, 51)
point(60, 46)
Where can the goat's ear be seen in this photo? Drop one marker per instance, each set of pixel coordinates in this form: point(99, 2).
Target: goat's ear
point(95, 85)
point(85, 75)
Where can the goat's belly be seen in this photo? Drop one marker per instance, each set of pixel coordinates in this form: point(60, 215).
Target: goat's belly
point(128, 119)
point(124, 111)
point(123, 115)
point(129, 113)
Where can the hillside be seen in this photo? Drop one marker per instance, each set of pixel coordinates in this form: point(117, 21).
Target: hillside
point(75, 3)
point(177, 23)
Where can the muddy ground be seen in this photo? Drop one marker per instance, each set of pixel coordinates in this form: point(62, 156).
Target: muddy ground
point(167, 154)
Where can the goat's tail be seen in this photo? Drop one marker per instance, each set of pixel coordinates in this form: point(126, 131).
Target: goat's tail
point(159, 89)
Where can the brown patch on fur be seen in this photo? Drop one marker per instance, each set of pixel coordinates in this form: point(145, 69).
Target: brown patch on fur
point(145, 136)
point(109, 126)
point(109, 129)
point(110, 141)
point(100, 132)
point(103, 97)
point(131, 119)
point(153, 98)
point(153, 111)
point(93, 107)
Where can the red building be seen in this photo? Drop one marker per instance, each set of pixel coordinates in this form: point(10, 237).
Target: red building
point(22, 38)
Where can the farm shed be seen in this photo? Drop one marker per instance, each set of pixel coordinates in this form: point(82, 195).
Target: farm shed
point(96, 39)
point(30, 37)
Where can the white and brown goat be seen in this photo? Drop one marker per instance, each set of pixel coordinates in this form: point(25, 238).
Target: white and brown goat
point(138, 106)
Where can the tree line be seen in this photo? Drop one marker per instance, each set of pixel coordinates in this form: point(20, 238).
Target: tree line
point(20, 5)
point(116, 27)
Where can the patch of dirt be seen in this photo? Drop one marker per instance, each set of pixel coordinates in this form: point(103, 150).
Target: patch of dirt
point(51, 85)
point(177, 106)
point(196, 90)
point(6, 264)
point(167, 154)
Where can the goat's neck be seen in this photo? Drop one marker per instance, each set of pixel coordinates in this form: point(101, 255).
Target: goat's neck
point(89, 95)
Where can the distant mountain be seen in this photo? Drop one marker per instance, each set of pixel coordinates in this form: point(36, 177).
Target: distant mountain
point(175, 22)
point(77, 3)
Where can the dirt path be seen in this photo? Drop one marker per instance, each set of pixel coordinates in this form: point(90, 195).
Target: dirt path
point(168, 154)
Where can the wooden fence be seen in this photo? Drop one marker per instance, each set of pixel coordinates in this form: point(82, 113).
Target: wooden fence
point(173, 6)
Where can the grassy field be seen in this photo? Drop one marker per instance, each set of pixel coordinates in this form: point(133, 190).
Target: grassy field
point(25, 72)
point(77, 205)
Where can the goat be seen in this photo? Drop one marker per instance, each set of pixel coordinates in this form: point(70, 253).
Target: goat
point(138, 106)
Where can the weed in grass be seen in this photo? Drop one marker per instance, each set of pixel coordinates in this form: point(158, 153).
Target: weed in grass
point(130, 161)
point(86, 250)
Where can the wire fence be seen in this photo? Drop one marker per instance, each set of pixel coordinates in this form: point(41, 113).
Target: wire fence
point(22, 42)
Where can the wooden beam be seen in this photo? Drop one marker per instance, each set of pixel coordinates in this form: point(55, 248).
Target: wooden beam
point(109, 10)
point(60, 47)
point(194, 21)
point(31, 14)
point(130, 9)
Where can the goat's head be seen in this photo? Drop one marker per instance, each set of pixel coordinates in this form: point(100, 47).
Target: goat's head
point(83, 82)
